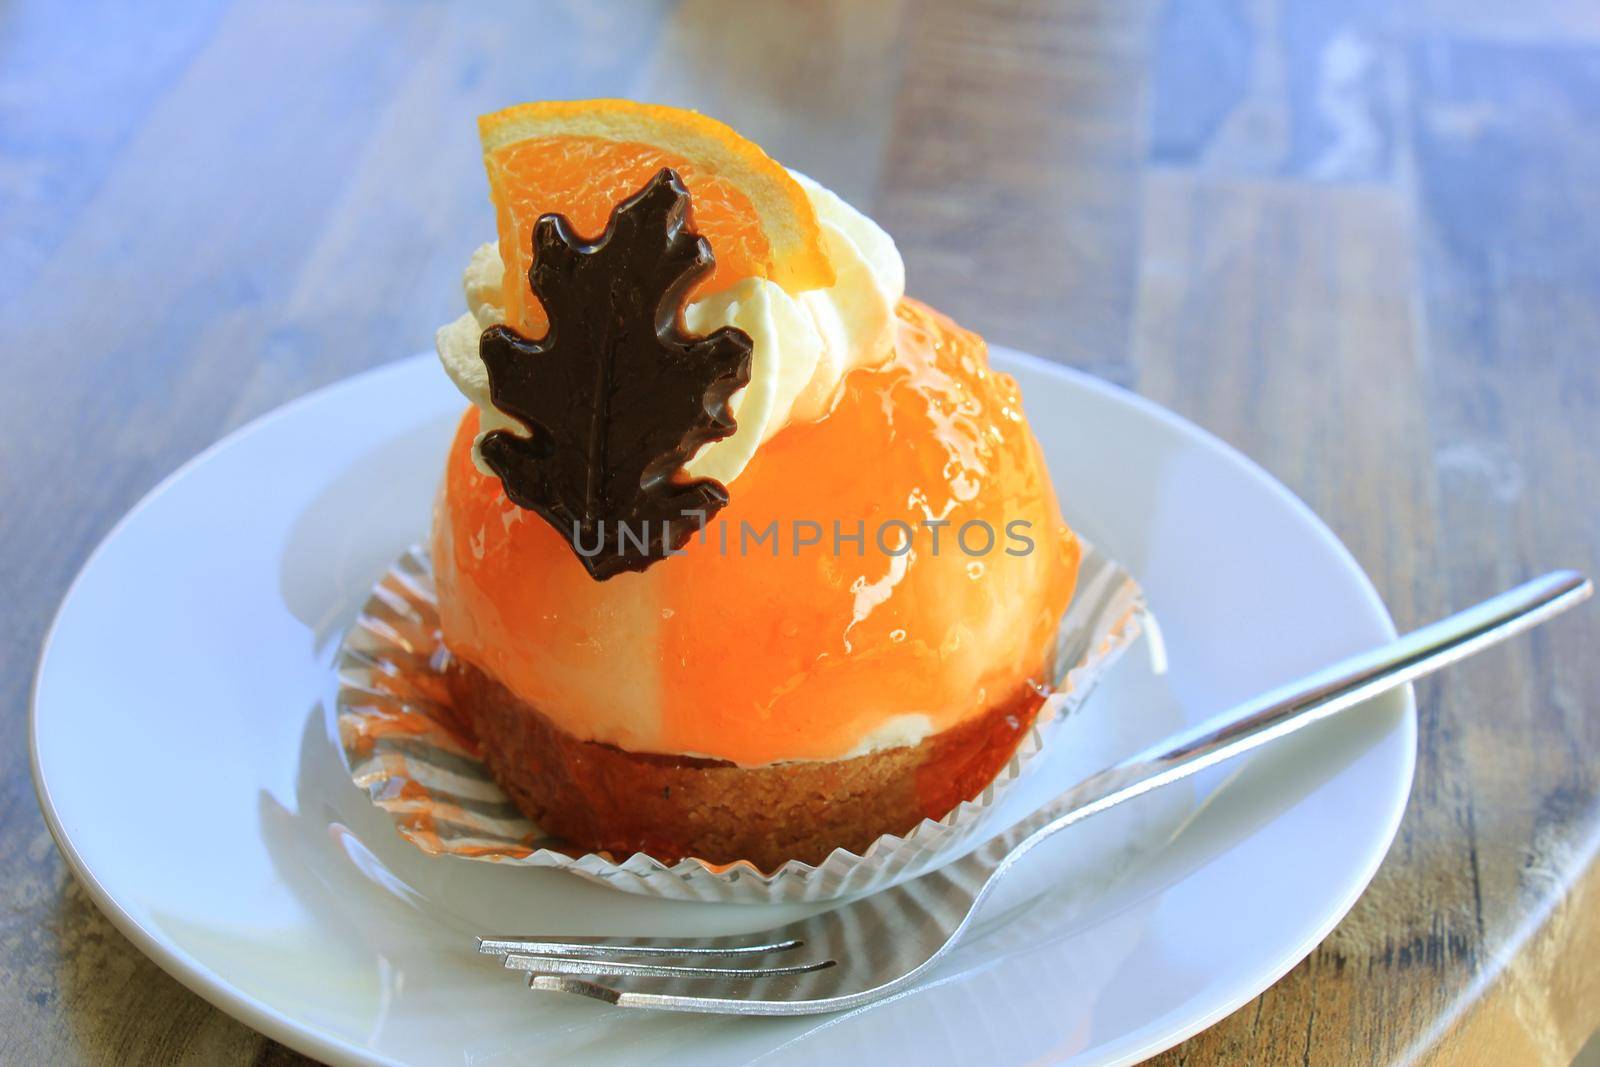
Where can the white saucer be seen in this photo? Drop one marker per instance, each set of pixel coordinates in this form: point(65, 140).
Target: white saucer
point(182, 754)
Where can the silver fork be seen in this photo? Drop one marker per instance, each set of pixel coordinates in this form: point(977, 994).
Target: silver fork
point(880, 945)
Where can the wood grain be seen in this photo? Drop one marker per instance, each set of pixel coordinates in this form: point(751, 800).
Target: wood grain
point(1360, 241)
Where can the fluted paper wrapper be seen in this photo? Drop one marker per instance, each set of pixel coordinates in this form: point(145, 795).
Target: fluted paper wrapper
point(403, 745)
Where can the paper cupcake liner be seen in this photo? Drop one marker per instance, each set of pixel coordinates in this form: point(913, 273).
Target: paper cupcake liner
point(402, 744)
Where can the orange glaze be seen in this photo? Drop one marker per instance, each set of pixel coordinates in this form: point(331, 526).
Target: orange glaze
point(758, 657)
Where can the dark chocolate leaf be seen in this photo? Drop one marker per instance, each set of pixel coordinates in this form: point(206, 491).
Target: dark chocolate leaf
point(616, 396)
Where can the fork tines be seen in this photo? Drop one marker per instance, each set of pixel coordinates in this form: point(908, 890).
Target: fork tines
point(640, 957)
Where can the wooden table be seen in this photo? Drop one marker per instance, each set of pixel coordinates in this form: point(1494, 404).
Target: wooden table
point(1358, 242)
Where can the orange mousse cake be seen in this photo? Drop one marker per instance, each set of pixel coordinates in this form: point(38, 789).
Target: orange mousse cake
point(740, 554)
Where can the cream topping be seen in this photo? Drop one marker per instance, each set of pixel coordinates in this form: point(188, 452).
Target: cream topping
point(803, 343)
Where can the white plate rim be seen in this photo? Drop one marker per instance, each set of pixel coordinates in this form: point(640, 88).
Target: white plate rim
point(314, 1041)
point(1408, 720)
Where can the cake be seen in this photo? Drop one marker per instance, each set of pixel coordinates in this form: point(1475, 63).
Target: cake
point(740, 554)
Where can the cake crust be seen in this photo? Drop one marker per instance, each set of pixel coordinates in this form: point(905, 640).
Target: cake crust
point(604, 799)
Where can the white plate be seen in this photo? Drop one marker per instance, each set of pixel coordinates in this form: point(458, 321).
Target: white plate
point(182, 755)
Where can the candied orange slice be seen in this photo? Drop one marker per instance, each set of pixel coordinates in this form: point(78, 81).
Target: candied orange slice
point(579, 158)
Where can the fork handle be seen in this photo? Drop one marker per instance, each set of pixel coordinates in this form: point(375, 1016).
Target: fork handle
point(1297, 705)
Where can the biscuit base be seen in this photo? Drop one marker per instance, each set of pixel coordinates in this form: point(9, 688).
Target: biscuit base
point(601, 798)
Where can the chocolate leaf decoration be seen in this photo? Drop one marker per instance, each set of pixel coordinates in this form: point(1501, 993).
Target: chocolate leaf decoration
point(616, 396)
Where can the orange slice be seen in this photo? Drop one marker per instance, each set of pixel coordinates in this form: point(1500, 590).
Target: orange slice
point(579, 158)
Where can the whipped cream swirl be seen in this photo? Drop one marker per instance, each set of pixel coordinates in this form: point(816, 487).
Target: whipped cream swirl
point(804, 343)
